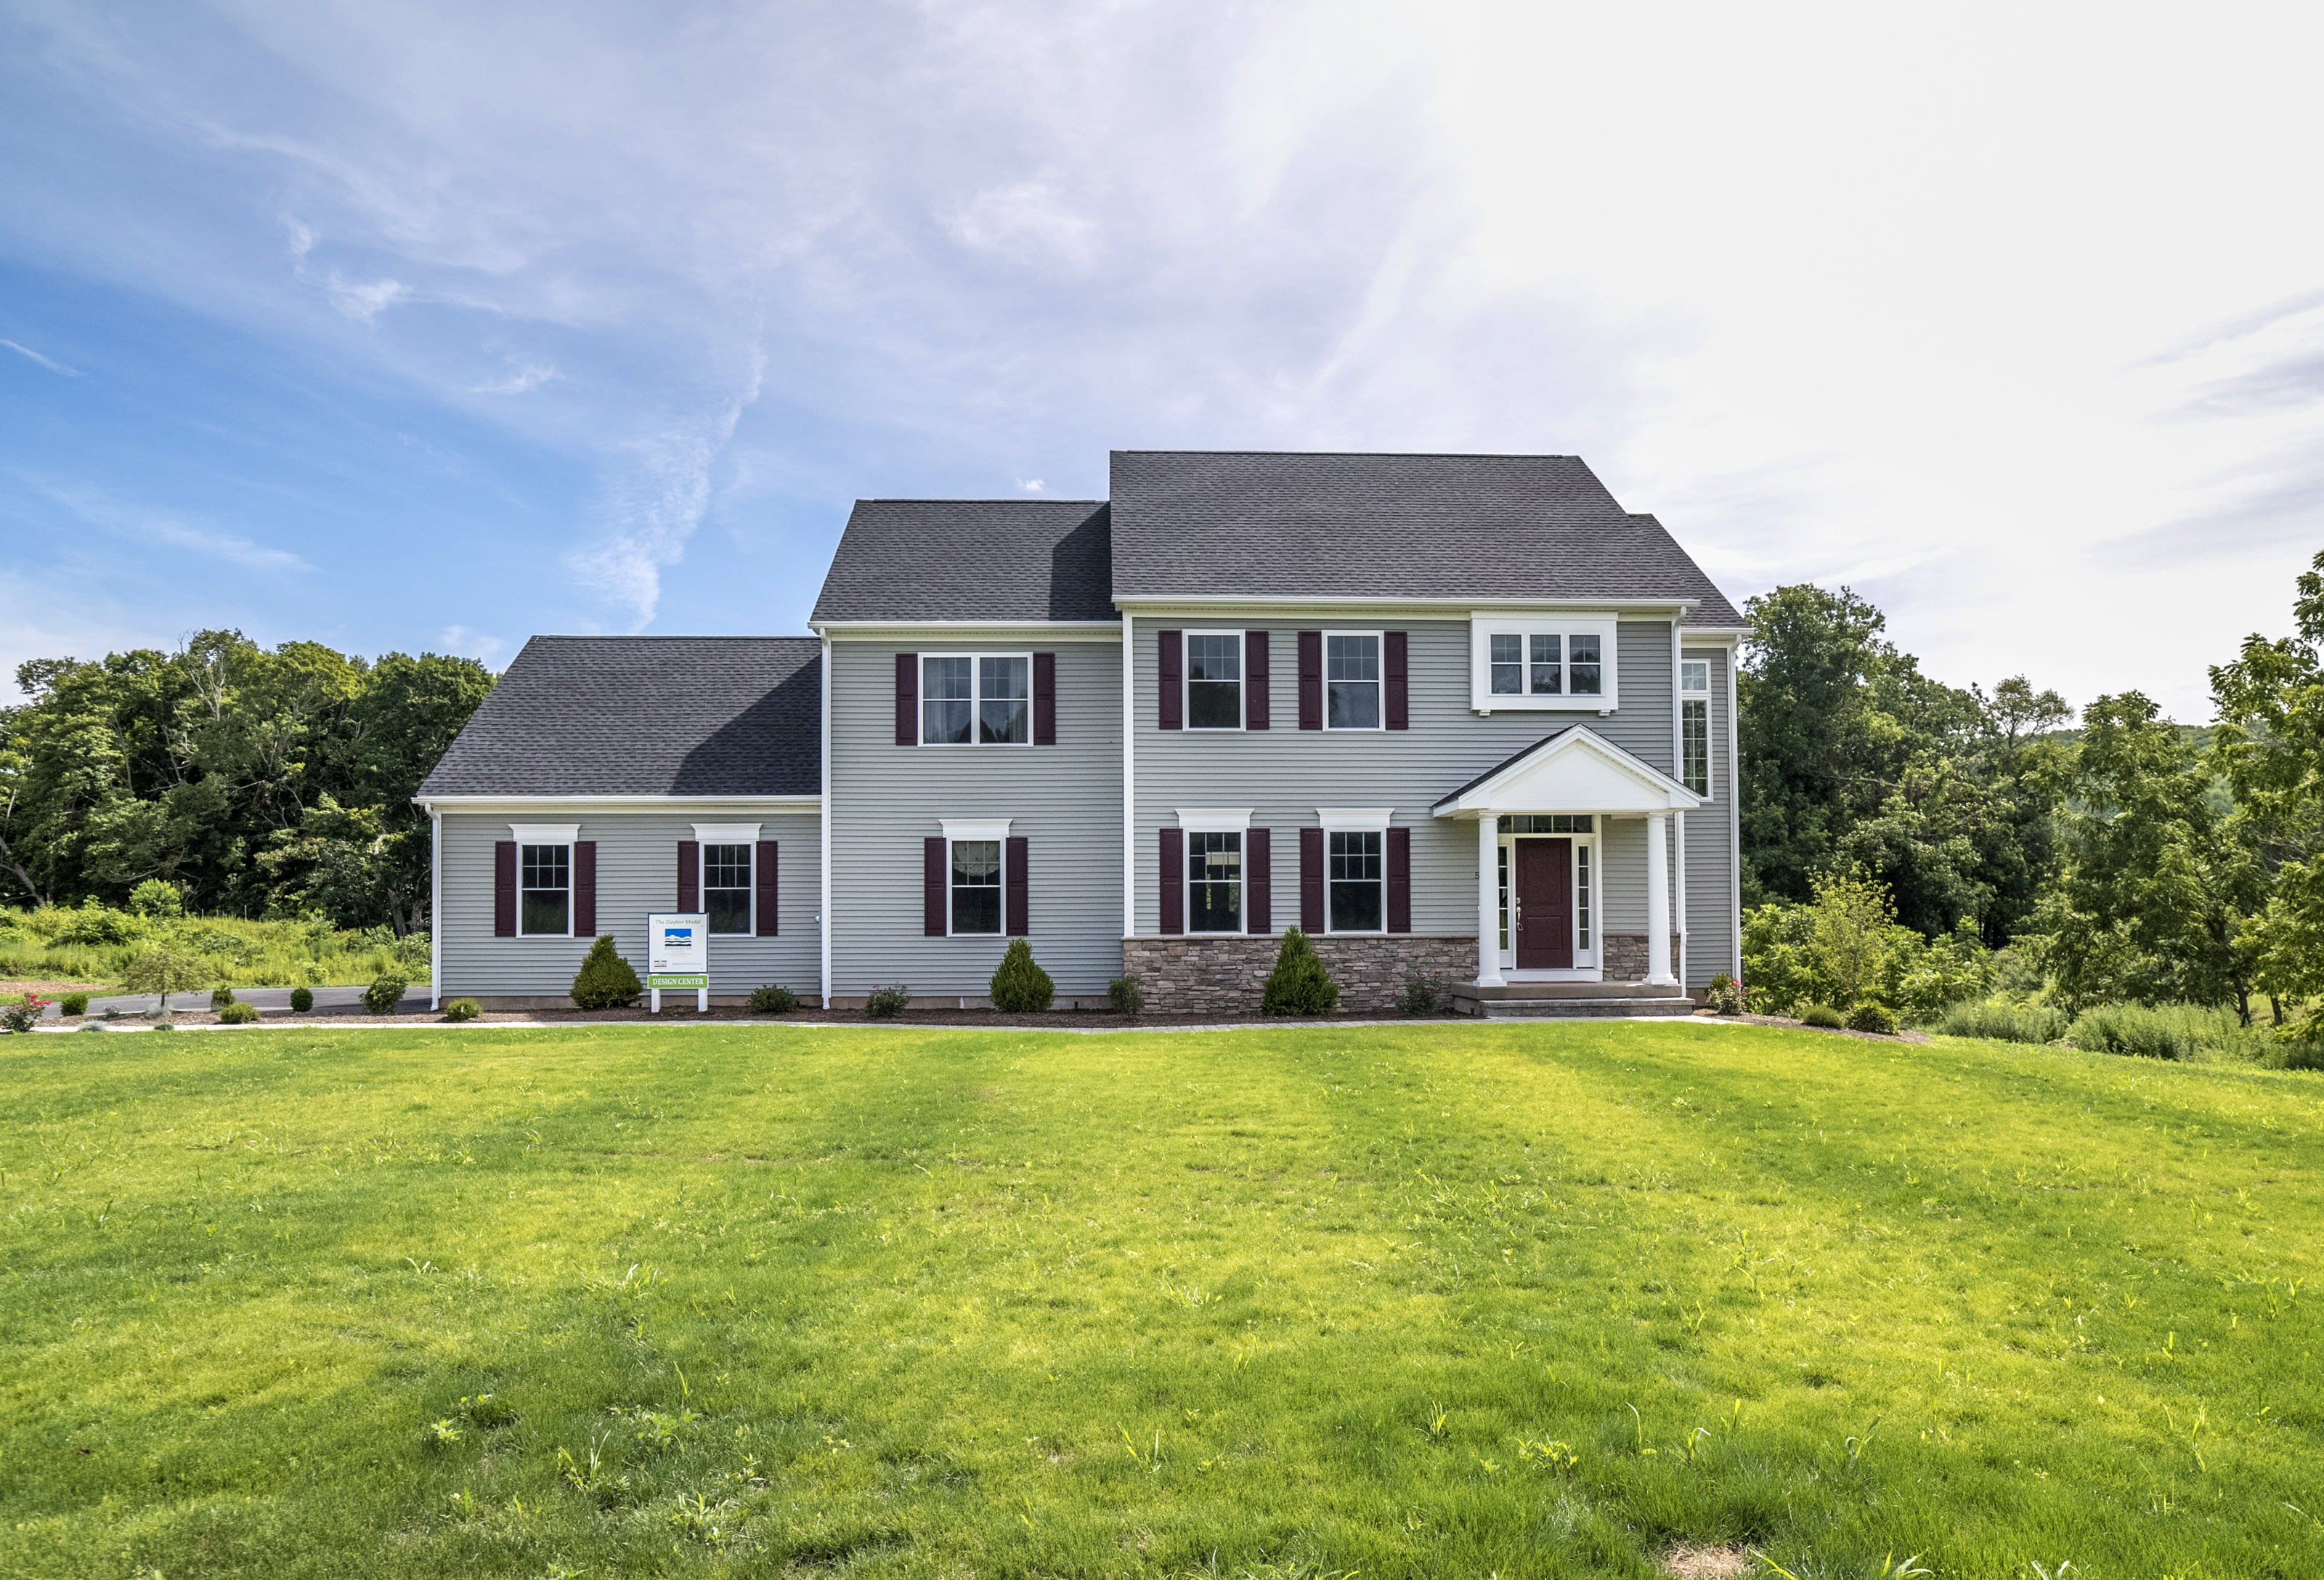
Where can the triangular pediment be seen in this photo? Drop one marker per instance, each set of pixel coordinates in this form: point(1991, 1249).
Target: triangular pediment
point(1576, 769)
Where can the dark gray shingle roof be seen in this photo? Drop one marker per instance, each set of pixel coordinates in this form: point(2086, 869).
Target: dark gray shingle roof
point(971, 560)
point(646, 716)
point(1306, 525)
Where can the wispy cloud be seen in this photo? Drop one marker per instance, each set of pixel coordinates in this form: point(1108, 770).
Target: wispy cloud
point(53, 366)
point(482, 646)
point(164, 528)
point(521, 379)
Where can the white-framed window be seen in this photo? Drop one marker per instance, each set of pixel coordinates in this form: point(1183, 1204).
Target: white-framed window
point(982, 700)
point(1694, 725)
point(1214, 881)
point(544, 891)
point(1351, 680)
point(726, 887)
point(1541, 662)
point(1355, 878)
point(975, 875)
point(1214, 680)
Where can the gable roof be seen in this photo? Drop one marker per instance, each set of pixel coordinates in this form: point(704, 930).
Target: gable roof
point(1604, 779)
point(645, 715)
point(1000, 559)
point(1296, 525)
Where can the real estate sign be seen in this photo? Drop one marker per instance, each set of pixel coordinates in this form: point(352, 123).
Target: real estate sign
point(677, 950)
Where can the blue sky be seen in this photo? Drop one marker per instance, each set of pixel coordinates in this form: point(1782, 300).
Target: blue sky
point(428, 327)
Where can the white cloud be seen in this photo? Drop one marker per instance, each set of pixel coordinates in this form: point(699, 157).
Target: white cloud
point(1030, 486)
point(164, 528)
point(468, 642)
point(26, 351)
point(522, 378)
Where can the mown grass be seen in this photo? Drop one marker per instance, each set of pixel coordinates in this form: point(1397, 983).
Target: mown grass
point(1445, 1301)
point(96, 945)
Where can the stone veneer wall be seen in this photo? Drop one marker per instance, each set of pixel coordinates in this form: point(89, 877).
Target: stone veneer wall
point(1626, 957)
point(1226, 974)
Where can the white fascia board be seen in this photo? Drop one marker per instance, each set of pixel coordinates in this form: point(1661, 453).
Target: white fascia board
point(1194, 605)
point(1590, 774)
point(969, 630)
point(614, 803)
point(1714, 635)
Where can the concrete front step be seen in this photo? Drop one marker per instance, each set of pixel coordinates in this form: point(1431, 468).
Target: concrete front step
point(1535, 1001)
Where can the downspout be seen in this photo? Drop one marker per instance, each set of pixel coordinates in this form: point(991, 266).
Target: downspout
point(823, 911)
point(435, 906)
point(1128, 785)
point(1735, 807)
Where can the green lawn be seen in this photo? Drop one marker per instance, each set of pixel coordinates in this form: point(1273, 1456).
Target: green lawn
point(1446, 1301)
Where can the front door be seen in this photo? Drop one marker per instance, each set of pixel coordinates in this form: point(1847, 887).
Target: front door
point(1545, 885)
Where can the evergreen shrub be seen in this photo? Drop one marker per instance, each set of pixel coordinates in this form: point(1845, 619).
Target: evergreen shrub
point(237, 1013)
point(1872, 1015)
point(1419, 996)
point(463, 1010)
point(1127, 995)
point(1820, 1015)
point(383, 995)
point(74, 1004)
point(1019, 986)
point(1299, 985)
point(302, 999)
point(885, 1004)
point(220, 997)
point(772, 1000)
point(156, 897)
point(605, 980)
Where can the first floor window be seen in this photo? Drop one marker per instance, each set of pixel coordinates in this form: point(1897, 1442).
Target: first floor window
point(1509, 664)
point(1505, 900)
point(1359, 899)
point(1352, 677)
point(726, 887)
point(975, 885)
point(1214, 882)
point(545, 890)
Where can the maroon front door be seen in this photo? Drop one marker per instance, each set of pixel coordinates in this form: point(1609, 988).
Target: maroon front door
point(1545, 885)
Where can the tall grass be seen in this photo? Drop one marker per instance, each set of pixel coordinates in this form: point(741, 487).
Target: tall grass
point(2167, 1031)
point(94, 944)
point(2003, 1022)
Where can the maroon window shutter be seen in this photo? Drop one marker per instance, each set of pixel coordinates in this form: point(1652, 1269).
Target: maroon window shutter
point(1400, 879)
point(1173, 886)
point(1169, 672)
point(908, 699)
point(1045, 699)
point(584, 888)
point(504, 889)
point(1254, 685)
point(932, 886)
point(689, 874)
point(1311, 681)
point(1398, 689)
point(1311, 879)
point(1257, 882)
point(1019, 876)
point(769, 874)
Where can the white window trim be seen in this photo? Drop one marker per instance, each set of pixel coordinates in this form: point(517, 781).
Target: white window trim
point(1594, 968)
point(1186, 682)
point(1235, 822)
point(1484, 624)
point(1215, 819)
point(1355, 819)
point(976, 830)
point(706, 834)
point(1380, 640)
point(975, 698)
point(1340, 821)
point(564, 833)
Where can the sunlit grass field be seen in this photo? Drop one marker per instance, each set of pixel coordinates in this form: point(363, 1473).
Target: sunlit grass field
point(1454, 1300)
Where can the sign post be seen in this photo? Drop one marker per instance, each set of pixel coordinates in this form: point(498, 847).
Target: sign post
point(677, 956)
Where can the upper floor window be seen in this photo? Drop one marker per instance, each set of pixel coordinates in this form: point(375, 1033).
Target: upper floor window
point(1533, 660)
point(1694, 725)
point(726, 887)
point(1214, 881)
point(1214, 679)
point(545, 890)
point(975, 699)
point(1351, 680)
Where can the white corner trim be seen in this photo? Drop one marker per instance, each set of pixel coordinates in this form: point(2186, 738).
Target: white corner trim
point(975, 827)
point(1129, 776)
point(544, 832)
point(1214, 819)
point(727, 833)
point(1355, 819)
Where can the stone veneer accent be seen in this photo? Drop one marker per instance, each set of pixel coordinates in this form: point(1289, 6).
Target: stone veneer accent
point(1226, 973)
point(1626, 957)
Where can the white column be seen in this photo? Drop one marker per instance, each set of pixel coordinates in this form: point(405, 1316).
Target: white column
point(1488, 901)
point(1658, 915)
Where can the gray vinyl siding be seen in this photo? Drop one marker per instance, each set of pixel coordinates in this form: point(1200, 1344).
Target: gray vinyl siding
point(637, 874)
point(1284, 772)
point(1065, 800)
point(1711, 845)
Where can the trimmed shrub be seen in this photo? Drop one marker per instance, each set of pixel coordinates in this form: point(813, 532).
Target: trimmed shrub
point(164, 1024)
point(463, 1010)
point(74, 1004)
point(605, 980)
point(1019, 986)
point(1419, 996)
point(1999, 1022)
point(383, 995)
point(1127, 995)
point(885, 1004)
point(1723, 995)
point(772, 1000)
point(1820, 1015)
point(237, 1013)
point(157, 898)
point(302, 999)
point(1299, 985)
point(1872, 1015)
point(220, 997)
point(92, 1025)
point(21, 1015)
point(2129, 1028)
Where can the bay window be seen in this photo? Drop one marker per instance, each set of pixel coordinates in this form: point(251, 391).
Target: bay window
point(1534, 660)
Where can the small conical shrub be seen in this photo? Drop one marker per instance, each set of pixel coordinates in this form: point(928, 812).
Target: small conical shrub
point(1299, 985)
point(605, 980)
point(1020, 987)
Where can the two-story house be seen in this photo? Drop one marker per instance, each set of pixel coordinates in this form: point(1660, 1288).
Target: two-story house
point(1456, 716)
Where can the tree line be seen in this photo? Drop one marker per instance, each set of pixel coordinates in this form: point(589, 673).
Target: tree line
point(2116, 857)
point(256, 781)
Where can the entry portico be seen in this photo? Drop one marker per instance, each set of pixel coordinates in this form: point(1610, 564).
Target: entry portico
point(1542, 819)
